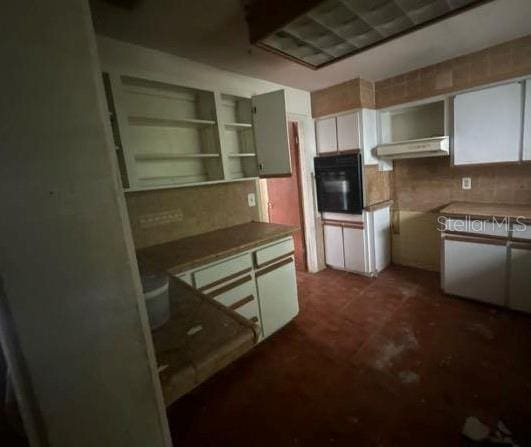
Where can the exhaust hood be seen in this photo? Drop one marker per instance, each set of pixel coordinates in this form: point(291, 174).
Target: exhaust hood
point(424, 147)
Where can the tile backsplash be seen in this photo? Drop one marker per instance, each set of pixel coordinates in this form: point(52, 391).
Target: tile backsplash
point(163, 215)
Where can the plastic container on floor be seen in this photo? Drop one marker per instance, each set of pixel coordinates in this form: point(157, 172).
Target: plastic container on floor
point(156, 294)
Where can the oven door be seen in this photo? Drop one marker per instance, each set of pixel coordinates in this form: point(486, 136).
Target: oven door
point(339, 190)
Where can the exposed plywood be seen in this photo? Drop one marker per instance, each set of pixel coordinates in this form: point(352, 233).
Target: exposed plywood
point(378, 185)
point(203, 208)
point(504, 61)
point(416, 241)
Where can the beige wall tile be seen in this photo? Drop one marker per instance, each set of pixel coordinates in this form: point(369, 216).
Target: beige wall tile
point(204, 208)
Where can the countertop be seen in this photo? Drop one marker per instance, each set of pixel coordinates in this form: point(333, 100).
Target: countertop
point(201, 338)
point(487, 210)
point(183, 254)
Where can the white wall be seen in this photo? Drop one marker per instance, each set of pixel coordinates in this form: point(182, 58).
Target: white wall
point(125, 58)
point(72, 317)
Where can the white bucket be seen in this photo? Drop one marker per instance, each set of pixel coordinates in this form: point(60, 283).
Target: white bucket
point(156, 294)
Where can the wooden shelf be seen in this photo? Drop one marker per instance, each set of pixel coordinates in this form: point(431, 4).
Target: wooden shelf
point(238, 126)
point(161, 122)
point(170, 156)
point(237, 155)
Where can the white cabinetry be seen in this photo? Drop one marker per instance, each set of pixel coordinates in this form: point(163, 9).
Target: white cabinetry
point(354, 246)
point(277, 289)
point(520, 277)
point(356, 130)
point(326, 134)
point(490, 262)
point(169, 135)
point(475, 268)
point(527, 122)
point(333, 242)
point(359, 244)
point(260, 284)
point(487, 125)
point(348, 132)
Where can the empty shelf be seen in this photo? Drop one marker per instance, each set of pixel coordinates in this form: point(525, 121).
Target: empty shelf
point(161, 122)
point(249, 154)
point(238, 126)
point(170, 156)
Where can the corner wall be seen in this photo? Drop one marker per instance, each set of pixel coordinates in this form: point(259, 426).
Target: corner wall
point(72, 312)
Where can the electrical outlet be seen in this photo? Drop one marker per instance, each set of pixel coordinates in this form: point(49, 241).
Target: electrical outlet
point(251, 199)
point(163, 218)
point(466, 183)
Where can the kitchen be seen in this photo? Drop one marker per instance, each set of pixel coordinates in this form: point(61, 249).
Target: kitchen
point(288, 255)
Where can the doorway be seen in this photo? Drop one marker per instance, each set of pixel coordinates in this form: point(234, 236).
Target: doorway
point(285, 198)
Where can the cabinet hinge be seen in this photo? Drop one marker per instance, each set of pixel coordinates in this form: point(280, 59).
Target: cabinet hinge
point(254, 110)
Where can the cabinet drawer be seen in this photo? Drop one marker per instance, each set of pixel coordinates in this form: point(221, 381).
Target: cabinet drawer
point(478, 227)
point(222, 271)
point(274, 252)
point(240, 296)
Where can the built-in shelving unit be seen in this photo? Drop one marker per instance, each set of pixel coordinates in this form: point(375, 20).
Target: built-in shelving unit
point(160, 122)
point(238, 136)
point(168, 135)
point(413, 122)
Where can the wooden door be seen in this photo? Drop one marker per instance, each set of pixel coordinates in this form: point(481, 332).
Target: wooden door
point(487, 125)
point(285, 200)
point(271, 134)
point(326, 135)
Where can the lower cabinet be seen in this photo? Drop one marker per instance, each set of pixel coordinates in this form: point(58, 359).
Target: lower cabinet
point(520, 277)
point(475, 267)
point(361, 244)
point(277, 289)
point(333, 244)
point(354, 247)
point(260, 285)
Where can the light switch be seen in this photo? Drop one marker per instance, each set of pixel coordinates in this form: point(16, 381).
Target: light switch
point(251, 199)
point(466, 183)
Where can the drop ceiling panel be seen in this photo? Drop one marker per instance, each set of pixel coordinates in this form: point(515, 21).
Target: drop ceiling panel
point(335, 29)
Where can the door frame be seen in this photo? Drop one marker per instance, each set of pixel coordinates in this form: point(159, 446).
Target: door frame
point(306, 152)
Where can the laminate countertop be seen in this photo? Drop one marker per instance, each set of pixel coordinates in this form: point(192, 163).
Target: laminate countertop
point(201, 338)
point(183, 254)
point(487, 210)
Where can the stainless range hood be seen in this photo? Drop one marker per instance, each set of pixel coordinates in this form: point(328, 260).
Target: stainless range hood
point(425, 147)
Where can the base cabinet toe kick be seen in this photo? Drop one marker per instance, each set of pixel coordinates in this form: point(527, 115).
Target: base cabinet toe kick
point(259, 284)
point(491, 263)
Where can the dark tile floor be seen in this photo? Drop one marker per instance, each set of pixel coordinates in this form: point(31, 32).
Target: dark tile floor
point(390, 361)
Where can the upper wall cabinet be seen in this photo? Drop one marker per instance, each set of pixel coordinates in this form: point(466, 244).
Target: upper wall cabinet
point(271, 134)
point(527, 122)
point(348, 132)
point(338, 133)
point(168, 135)
point(326, 134)
point(487, 125)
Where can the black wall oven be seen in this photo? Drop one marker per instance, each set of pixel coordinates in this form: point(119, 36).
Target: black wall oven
point(339, 183)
